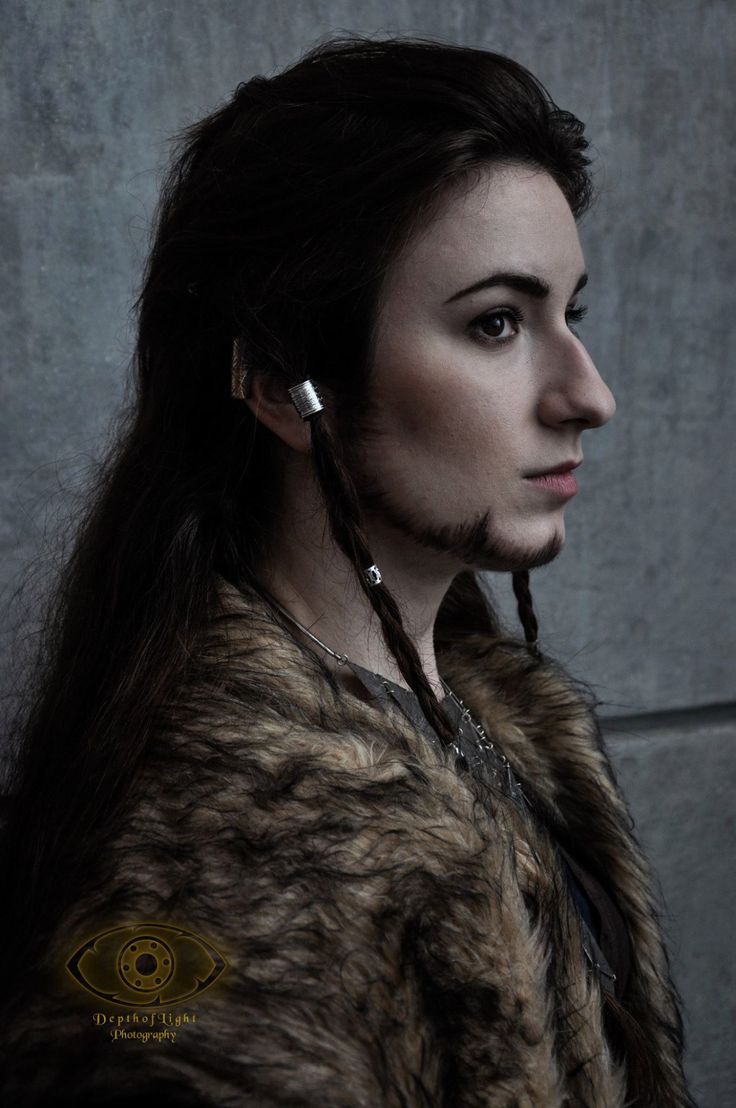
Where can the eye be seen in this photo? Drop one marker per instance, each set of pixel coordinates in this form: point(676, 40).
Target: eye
point(490, 327)
point(574, 315)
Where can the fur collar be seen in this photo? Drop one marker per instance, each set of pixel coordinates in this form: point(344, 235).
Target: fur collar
point(396, 934)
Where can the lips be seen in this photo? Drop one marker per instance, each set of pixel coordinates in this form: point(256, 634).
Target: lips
point(563, 467)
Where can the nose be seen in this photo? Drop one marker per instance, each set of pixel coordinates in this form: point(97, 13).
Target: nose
point(575, 390)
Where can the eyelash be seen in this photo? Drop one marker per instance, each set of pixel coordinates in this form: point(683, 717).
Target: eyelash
point(572, 314)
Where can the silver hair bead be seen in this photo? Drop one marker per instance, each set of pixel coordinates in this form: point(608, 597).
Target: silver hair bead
point(373, 575)
point(306, 399)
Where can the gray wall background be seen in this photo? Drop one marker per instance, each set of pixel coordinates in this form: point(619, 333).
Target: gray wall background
point(640, 602)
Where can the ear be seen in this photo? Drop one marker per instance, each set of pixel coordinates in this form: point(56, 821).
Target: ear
point(269, 400)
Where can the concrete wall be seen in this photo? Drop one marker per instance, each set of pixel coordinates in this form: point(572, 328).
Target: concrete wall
point(640, 603)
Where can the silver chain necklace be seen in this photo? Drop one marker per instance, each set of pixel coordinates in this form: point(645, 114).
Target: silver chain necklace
point(485, 747)
point(477, 754)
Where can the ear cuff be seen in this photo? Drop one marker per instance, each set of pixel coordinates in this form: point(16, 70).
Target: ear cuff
point(304, 396)
point(238, 374)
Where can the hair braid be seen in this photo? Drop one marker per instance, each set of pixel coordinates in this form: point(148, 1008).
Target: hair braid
point(523, 594)
point(345, 516)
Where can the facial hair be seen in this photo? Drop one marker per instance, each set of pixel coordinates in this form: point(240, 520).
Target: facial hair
point(475, 542)
point(472, 541)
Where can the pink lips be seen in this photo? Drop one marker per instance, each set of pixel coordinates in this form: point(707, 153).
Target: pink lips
point(562, 483)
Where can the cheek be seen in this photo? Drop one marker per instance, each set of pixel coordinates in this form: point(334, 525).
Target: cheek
point(446, 414)
point(422, 395)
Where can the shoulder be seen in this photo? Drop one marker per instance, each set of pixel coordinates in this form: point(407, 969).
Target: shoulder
point(336, 873)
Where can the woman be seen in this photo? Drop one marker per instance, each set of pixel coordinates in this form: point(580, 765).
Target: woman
point(276, 709)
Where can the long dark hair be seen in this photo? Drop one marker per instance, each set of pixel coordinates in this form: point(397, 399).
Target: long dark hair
point(277, 220)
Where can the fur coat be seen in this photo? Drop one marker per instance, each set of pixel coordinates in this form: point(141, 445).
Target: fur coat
point(394, 932)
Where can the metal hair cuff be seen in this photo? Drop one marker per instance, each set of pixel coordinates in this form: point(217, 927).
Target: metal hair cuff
point(306, 399)
point(373, 575)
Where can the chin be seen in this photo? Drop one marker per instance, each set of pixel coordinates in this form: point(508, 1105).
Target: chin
point(481, 543)
point(504, 554)
point(544, 555)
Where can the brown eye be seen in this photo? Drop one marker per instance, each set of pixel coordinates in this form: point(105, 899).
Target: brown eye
point(496, 327)
point(493, 325)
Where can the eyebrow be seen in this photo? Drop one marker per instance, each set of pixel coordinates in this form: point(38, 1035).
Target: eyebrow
point(522, 282)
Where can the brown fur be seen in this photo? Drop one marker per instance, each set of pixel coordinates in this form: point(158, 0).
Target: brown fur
point(397, 934)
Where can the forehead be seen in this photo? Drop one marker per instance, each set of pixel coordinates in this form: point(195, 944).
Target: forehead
point(509, 217)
